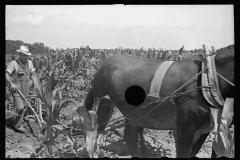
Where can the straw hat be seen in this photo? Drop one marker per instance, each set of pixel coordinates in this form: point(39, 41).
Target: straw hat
point(25, 50)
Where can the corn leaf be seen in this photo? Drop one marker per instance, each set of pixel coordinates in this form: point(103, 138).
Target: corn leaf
point(37, 85)
point(102, 136)
point(71, 140)
point(57, 108)
point(91, 136)
point(74, 76)
point(44, 125)
point(55, 135)
point(13, 113)
point(53, 104)
point(76, 102)
point(60, 94)
point(40, 110)
point(48, 95)
point(223, 143)
point(58, 89)
point(50, 138)
point(61, 130)
point(58, 128)
point(53, 81)
point(56, 111)
point(83, 113)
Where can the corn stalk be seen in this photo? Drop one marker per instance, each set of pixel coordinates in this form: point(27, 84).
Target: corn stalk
point(53, 102)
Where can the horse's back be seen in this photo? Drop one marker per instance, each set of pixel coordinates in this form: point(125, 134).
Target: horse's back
point(119, 72)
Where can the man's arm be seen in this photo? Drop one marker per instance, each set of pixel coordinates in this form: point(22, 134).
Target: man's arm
point(9, 80)
point(9, 71)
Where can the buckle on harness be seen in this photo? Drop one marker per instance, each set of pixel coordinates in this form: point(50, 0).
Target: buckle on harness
point(153, 97)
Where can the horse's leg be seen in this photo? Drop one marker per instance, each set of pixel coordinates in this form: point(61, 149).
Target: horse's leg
point(188, 122)
point(143, 152)
point(104, 113)
point(198, 144)
point(175, 138)
point(185, 135)
point(214, 154)
point(131, 138)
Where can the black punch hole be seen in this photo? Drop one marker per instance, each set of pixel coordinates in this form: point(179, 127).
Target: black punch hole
point(135, 95)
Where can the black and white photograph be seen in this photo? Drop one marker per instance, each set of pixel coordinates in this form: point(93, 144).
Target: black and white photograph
point(119, 81)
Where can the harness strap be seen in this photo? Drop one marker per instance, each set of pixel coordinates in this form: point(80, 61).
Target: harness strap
point(218, 94)
point(158, 79)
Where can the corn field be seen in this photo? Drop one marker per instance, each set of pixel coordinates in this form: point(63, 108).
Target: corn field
point(58, 130)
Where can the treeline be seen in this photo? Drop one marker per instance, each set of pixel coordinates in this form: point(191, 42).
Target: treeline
point(35, 48)
point(40, 48)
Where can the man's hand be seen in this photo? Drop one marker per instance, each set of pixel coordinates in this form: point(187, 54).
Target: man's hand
point(10, 82)
point(13, 86)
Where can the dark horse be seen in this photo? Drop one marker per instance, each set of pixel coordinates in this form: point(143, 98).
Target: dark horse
point(189, 116)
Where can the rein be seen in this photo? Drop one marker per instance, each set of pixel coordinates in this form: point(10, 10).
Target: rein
point(222, 77)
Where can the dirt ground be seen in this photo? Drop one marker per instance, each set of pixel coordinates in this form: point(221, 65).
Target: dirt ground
point(159, 143)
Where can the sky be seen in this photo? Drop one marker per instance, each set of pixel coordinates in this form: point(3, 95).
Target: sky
point(112, 26)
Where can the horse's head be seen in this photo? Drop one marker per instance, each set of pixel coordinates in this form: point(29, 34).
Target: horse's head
point(225, 67)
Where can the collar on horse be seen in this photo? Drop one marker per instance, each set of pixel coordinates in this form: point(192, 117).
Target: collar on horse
point(210, 86)
point(209, 77)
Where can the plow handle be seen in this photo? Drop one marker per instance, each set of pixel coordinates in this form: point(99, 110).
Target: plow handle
point(28, 104)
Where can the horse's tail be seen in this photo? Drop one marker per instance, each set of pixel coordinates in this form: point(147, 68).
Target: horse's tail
point(89, 100)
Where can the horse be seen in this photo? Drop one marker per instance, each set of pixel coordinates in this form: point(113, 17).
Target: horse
point(188, 115)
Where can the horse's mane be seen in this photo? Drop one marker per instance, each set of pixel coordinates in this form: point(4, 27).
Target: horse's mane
point(226, 50)
point(225, 54)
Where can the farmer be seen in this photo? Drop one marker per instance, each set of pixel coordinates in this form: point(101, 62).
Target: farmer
point(18, 75)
